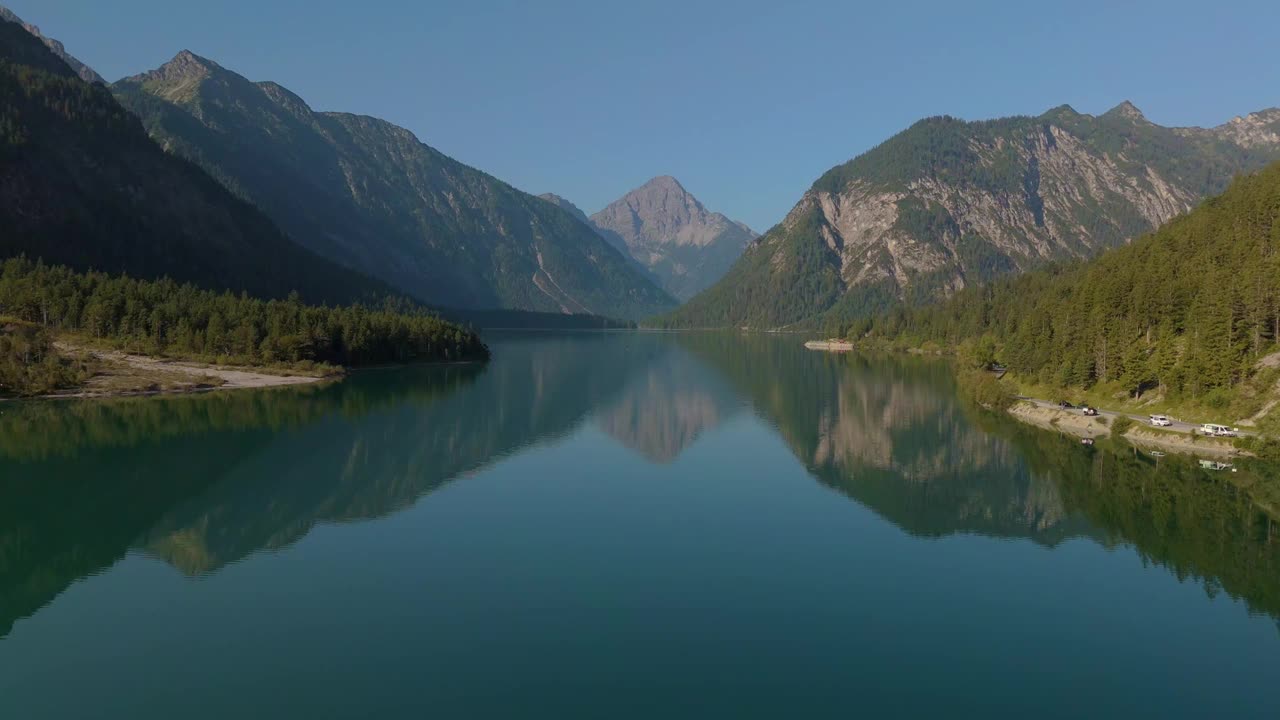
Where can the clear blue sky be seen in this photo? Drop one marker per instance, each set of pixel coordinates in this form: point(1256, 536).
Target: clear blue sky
point(745, 102)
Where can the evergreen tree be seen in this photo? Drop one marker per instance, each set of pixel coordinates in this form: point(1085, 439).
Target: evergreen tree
point(1189, 309)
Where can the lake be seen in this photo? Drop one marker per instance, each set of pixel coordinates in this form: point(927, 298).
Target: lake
point(623, 525)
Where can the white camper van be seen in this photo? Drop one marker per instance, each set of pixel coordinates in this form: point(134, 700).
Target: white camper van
point(1213, 430)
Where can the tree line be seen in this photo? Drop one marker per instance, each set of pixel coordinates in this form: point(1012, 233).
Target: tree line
point(165, 318)
point(30, 364)
point(1188, 310)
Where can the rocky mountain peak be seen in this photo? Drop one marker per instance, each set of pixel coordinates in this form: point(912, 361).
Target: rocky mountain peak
point(1129, 111)
point(185, 67)
point(664, 183)
point(1255, 130)
point(1262, 117)
point(662, 204)
point(670, 232)
point(655, 214)
point(185, 64)
point(187, 77)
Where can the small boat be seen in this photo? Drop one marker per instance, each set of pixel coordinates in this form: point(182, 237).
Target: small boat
point(1216, 465)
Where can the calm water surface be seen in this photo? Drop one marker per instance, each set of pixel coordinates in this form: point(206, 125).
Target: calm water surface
point(619, 525)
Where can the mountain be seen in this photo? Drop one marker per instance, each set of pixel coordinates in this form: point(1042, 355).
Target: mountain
point(567, 206)
point(83, 185)
point(664, 228)
point(947, 204)
point(85, 72)
point(1190, 313)
point(369, 195)
point(890, 434)
point(204, 480)
point(667, 404)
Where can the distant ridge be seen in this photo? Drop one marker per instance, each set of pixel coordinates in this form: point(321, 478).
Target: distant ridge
point(669, 233)
point(947, 204)
point(368, 194)
point(564, 204)
point(86, 187)
point(85, 72)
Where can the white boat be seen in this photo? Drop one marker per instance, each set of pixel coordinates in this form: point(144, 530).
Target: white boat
point(1216, 465)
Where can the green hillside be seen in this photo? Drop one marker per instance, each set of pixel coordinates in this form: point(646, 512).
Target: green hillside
point(1191, 311)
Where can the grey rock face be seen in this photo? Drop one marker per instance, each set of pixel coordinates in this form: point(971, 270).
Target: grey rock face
point(948, 203)
point(667, 230)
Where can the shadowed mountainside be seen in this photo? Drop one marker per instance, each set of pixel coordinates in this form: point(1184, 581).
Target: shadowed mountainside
point(368, 194)
point(81, 184)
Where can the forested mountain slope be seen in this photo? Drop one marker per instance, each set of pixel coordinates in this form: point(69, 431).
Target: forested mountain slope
point(566, 204)
point(85, 72)
point(947, 204)
point(1191, 310)
point(368, 194)
point(82, 184)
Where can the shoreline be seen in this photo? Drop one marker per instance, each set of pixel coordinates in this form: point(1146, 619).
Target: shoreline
point(118, 374)
point(1047, 418)
point(126, 375)
point(841, 346)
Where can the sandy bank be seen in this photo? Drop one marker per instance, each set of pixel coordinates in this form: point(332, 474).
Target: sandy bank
point(1068, 423)
point(116, 374)
point(1186, 444)
point(830, 345)
point(1078, 425)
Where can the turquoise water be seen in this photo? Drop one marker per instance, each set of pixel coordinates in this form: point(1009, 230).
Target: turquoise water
point(619, 525)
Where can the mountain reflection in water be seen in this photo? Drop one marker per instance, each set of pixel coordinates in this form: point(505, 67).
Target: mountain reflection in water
point(204, 481)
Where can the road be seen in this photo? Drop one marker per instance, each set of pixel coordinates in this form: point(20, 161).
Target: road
point(1181, 427)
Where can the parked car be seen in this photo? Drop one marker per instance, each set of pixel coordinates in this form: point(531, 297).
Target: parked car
point(1215, 430)
point(1091, 412)
point(1160, 421)
point(1065, 405)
